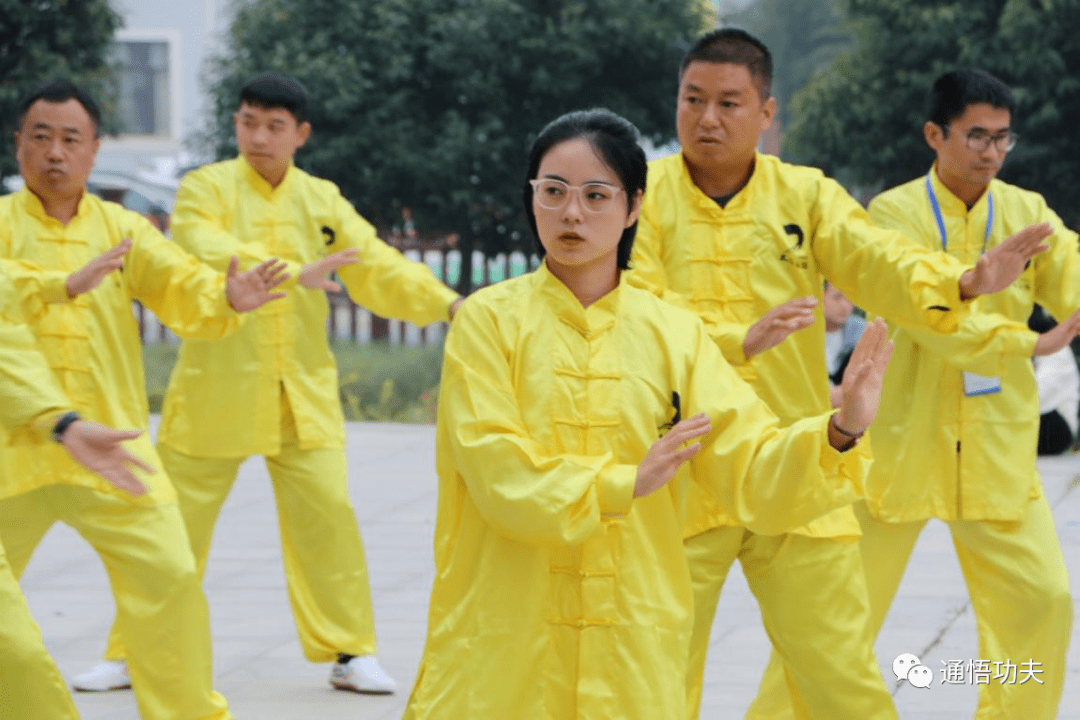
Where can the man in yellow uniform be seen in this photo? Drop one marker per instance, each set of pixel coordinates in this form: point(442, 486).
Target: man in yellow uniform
point(272, 389)
point(54, 244)
point(745, 241)
point(958, 428)
point(30, 684)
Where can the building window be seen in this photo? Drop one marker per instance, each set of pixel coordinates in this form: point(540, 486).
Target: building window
point(143, 93)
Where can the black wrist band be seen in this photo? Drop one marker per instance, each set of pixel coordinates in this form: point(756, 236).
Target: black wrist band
point(63, 424)
point(842, 431)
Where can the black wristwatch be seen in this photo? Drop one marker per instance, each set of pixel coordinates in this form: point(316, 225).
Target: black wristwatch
point(63, 424)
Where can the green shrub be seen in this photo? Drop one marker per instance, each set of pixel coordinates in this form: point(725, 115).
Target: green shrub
point(388, 383)
point(158, 361)
point(377, 382)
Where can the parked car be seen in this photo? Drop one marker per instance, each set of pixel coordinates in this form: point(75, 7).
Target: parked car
point(133, 200)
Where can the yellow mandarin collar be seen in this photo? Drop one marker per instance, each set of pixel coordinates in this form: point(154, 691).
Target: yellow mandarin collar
point(707, 203)
point(258, 182)
point(597, 317)
point(954, 206)
point(33, 206)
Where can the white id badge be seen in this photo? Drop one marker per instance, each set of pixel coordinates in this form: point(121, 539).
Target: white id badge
point(980, 384)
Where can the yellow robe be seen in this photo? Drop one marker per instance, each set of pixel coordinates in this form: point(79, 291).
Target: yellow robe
point(30, 683)
point(970, 459)
point(952, 456)
point(29, 391)
point(92, 343)
point(777, 239)
point(557, 594)
point(784, 233)
point(224, 395)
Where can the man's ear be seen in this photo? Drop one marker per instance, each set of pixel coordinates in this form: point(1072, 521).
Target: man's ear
point(934, 134)
point(768, 113)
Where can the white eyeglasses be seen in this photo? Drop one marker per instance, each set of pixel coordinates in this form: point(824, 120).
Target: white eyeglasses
point(553, 194)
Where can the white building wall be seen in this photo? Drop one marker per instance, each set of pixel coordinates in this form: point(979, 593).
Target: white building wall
point(194, 30)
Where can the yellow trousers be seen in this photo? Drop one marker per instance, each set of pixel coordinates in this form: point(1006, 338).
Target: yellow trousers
point(161, 608)
point(30, 684)
point(323, 555)
point(1019, 589)
point(815, 611)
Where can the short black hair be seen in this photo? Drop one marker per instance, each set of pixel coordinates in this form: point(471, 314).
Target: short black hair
point(615, 139)
point(737, 47)
point(954, 91)
point(272, 90)
point(58, 91)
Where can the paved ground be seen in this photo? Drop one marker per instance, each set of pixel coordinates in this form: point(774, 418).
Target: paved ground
point(260, 669)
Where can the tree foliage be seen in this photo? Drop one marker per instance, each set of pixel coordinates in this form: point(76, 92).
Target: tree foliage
point(432, 104)
point(804, 38)
point(45, 39)
point(863, 119)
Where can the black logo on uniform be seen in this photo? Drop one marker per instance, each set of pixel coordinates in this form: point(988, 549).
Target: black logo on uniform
point(331, 236)
point(795, 254)
point(676, 402)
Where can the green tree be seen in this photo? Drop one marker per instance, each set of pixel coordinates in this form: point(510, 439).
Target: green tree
point(862, 120)
point(432, 104)
point(47, 39)
point(804, 38)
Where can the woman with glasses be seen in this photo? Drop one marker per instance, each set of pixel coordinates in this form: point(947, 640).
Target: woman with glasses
point(585, 427)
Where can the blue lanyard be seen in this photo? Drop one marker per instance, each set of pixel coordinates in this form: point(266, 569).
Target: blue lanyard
point(941, 220)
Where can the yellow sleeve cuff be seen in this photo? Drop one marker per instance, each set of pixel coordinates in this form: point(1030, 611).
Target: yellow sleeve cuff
point(847, 468)
point(447, 297)
point(733, 349)
point(1026, 343)
point(946, 314)
point(615, 489)
point(41, 426)
point(54, 287)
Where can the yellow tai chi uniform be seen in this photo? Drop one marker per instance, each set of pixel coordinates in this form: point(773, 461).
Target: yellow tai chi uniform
point(271, 389)
point(777, 239)
point(965, 453)
point(92, 345)
point(558, 595)
point(30, 684)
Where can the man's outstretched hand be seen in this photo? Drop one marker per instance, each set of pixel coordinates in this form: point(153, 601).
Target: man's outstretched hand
point(775, 325)
point(1058, 337)
point(98, 449)
point(1000, 266)
point(90, 275)
point(315, 275)
point(246, 291)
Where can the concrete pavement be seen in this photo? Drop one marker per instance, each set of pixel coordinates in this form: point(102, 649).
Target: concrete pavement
point(260, 668)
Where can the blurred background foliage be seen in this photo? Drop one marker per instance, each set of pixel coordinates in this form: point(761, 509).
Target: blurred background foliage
point(852, 77)
point(41, 40)
point(377, 382)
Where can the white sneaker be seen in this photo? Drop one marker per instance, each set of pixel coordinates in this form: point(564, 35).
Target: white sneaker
point(106, 675)
point(362, 674)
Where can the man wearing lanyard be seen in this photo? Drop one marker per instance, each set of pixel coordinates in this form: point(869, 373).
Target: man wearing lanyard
point(956, 434)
